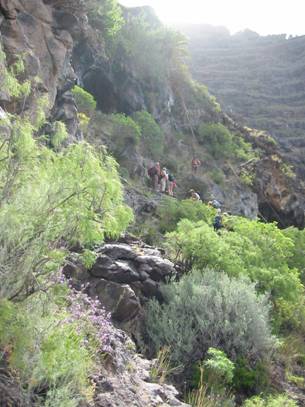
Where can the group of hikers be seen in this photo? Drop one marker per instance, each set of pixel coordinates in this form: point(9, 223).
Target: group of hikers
point(164, 181)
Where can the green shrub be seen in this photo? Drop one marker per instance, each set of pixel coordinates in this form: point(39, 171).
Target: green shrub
point(9, 78)
point(85, 102)
point(218, 367)
point(73, 195)
point(250, 379)
point(106, 16)
point(171, 211)
point(60, 134)
point(46, 350)
point(154, 51)
point(125, 133)
point(209, 309)
point(152, 135)
point(252, 248)
point(221, 143)
point(271, 401)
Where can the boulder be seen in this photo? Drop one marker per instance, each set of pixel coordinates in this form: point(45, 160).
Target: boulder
point(120, 271)
point(118, 251)
point(118, 299)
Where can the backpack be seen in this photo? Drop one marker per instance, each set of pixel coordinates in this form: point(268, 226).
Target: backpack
point(171, 178)
point(216, 204)
point(217, 222)
point(152, 171)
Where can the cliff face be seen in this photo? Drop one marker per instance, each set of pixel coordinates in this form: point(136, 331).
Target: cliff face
point(258, 80)
point(60, 47)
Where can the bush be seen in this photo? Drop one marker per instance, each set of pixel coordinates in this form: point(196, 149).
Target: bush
point(85, 102)
point(171, 211)
point(252, 248)
point(125, 133)
point(249, 379)
point(221, 143)
point(209, 309)
point(74, 195)
point(271, 401)
point(152, 135)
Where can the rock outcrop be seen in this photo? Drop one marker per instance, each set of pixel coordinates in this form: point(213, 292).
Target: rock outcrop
point(259, 80)
point(123, 277)
point(126, 381)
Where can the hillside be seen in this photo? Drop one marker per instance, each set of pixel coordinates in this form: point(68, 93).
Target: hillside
point(114, 293)
point(259, 80)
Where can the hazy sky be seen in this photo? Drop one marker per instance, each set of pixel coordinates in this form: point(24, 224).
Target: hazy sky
point(263, 16)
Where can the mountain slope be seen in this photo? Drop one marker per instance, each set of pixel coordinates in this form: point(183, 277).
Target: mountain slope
point(259, 80)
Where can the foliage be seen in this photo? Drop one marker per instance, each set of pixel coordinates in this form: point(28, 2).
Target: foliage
point(250, 379)
point(171, 211)
point(154, 50)
point(271, 401)
point(260, 251)
point(85, 102)
point(9, 82)
point(204, 396)
point(88, 258)
point(161, 366)
point(209, 309)
point(221, 143)
point(298, 250)
point(67, 331)
point(47, 198)
point(218, 367)
point(105, 16)
point(124, 133)
point(152, 135)
point(60, 134)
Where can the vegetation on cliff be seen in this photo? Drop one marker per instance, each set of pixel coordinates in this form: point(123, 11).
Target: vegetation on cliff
point(235, 306)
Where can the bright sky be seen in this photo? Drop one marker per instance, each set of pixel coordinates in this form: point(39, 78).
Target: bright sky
point(262, 16)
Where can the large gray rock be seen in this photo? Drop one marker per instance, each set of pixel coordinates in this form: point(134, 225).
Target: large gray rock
point(118, 251)
point(118, 299)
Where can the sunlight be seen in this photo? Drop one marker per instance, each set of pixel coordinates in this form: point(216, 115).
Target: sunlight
point(265, 17)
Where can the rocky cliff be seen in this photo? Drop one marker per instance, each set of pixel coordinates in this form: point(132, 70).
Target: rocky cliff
point(259, 80)
point(60, 47)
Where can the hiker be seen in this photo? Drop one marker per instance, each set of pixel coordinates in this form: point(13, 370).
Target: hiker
point(215, 204)
point(196, 163)
point(171, 184)
point(154, 174)
point(163, 179)
point(217, 223)
point(194, 195)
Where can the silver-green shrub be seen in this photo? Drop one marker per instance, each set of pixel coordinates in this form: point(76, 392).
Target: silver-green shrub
point(210, 309)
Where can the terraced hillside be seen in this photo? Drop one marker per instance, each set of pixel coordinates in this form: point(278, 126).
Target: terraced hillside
point(260, 80)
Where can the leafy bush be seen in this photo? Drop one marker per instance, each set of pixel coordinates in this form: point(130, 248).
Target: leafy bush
point(209, 309)
point(249, 379)
point(221, 143)
point(47, 198)
point(9, 78)
point(152, 135)
point(171, 211)
point(85, 102)
point(67, 332)
point(260, 251)
point(153, 50)
point(60, 134)
point(125, 132)
point(106, 16)
point(218, 367)
point(271, 401)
